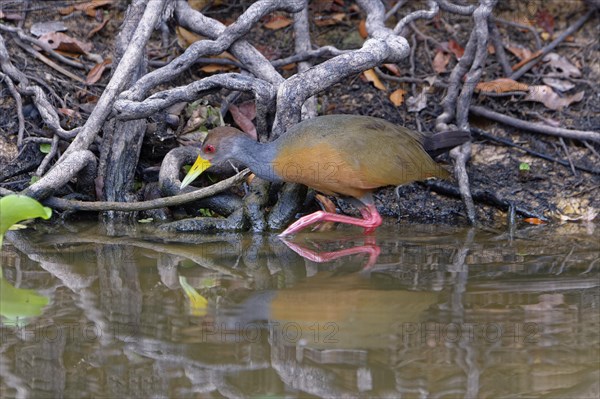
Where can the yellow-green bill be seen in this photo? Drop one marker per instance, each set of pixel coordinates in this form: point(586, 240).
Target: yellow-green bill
point(198, 167)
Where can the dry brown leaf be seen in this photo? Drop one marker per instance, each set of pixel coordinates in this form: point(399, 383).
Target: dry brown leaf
point(289, 67)
point(456, 49)
point(561, 85)
point(227, 54)
point(66, 10)
point(96, 72)
point(248, 108)
point(216, 68)
point(329, 19)
point(393, 68)
point(328, 206)
point(199, 5)
point(545, 20)
point(243, 121)
point(362, 28)
point(561, 66)
point(372, 77)
point(185, 38)
point(520, 52)
point(62, 42)
point(97, 29)
point(397, 97)
point(269, 52)
point(502, 85)
point(534, 221)
point(572, 210)
point(278, 22)
point(89, 7)
point(419, 102)
point(10, 16)
point(545, 95)
point(527, 60)
point(41, 28)
point(440, 61)
point(71, 113)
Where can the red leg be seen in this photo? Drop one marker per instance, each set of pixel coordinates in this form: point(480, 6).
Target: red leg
point(371, 220)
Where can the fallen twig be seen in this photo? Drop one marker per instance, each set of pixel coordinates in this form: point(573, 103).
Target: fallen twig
point(49, 62)
point(538, 41)
point(482, 196)
point(552, 45)
point(41, 44)
point(509, 143)
point(568, 154)
point(98, 206)
point(535, 127)
point(19, 104)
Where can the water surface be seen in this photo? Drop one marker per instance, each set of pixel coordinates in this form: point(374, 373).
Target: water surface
point(415, 311)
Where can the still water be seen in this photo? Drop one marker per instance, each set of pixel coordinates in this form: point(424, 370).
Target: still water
point(413, 312)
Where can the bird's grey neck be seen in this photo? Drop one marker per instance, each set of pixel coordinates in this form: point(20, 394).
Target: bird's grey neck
point(257, 157)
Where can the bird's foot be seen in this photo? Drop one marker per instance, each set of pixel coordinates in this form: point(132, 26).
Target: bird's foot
point(371, 220)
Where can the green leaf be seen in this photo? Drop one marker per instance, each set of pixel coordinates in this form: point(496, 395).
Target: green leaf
point(524, 167)
point(45, 148)
point(19, 303)
point(14, 208)
point(205, 212)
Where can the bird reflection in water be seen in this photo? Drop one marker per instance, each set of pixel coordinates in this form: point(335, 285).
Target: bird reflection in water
point(369, 247)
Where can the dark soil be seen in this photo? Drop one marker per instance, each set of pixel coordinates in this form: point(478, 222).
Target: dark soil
point(547, 186)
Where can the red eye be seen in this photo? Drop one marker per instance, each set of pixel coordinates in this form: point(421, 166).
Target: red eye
point(209, 149)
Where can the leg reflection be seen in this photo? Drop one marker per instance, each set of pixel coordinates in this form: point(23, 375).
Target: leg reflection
point(369, 247)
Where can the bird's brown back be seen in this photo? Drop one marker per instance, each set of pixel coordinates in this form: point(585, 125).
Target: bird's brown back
point(352, 154)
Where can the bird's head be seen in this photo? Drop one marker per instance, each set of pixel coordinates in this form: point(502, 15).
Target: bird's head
point(220, 144)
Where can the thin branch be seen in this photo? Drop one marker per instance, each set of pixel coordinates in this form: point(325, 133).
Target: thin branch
point(552, 45)
point(248, 55)
point(98, 206)
point(482, 196)
point(568, 154)
point(43, 45)
point(129, 109)
point(157, 203)
point(536, 127)
point(394, 9)
point(538, 41)
point(46, 110)
point(456, 8)
point(421, 14)
point(225, 39)
point(499, 48)
point(51, 154)
point(19, 105)
point(305, 55)
point(509, 143)
point(461, 155)
point(61, 174)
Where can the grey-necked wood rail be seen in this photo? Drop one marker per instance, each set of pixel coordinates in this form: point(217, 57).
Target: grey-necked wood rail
point(347, 155)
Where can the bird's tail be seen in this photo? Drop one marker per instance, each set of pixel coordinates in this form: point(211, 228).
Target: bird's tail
point(438, 143)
